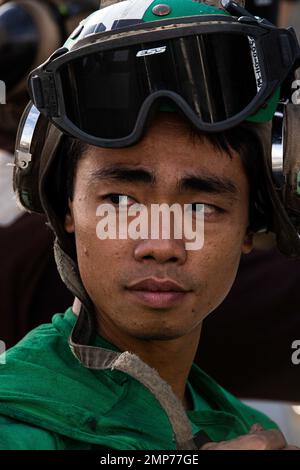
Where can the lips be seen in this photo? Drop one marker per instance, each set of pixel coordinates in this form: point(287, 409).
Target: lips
point(157, 294)
point(154, 285)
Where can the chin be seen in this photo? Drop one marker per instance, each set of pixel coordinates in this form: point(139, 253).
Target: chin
point(158, 335)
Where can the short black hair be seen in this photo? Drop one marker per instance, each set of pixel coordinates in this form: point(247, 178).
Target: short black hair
point(238, 139)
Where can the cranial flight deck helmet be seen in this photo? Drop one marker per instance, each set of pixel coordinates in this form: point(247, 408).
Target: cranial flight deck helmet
point(218, 66)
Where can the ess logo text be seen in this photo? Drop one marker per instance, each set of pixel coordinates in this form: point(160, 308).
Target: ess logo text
point(155, 50)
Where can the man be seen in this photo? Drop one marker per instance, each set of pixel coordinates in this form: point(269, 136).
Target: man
point(140, 301)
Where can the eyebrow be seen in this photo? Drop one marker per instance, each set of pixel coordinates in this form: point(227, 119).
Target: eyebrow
point(208, 183)
point(199, 182)
point(124, 173)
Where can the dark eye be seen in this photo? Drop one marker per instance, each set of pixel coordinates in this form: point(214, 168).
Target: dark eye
point(121, 200)
point(209, 209)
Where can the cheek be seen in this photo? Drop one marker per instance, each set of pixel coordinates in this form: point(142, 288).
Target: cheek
point(217, 264)
point(99, 261)
point(92, 257)
point(85, 232)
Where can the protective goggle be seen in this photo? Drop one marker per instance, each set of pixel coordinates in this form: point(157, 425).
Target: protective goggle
point(217, 70)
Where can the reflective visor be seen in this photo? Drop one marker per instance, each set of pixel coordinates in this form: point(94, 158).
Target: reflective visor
point(218, 75)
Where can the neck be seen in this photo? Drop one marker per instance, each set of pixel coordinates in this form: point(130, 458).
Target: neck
point(171, 358)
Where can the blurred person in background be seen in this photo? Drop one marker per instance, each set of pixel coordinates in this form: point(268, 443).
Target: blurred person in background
point(30, 287)
point(276, 11)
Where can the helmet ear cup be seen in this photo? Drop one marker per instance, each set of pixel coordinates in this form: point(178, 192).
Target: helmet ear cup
point(280, 221)
point(291, 164)
point(29, 144)
point(283, 178)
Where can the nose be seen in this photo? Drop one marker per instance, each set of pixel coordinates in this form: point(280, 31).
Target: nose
point(161, 251)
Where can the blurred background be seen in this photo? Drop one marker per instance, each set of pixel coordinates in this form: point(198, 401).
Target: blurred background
point(246, 344)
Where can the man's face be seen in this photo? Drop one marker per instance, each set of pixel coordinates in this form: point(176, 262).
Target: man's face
point(167, 166)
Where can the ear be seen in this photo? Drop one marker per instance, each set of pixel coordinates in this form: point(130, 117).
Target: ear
point(248, 242)
point(69, 219)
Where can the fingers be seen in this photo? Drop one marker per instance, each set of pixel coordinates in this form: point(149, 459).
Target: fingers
point(256, 428)
point(256, 440)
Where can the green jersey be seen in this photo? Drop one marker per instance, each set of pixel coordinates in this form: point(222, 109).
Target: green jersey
point(48, 400)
